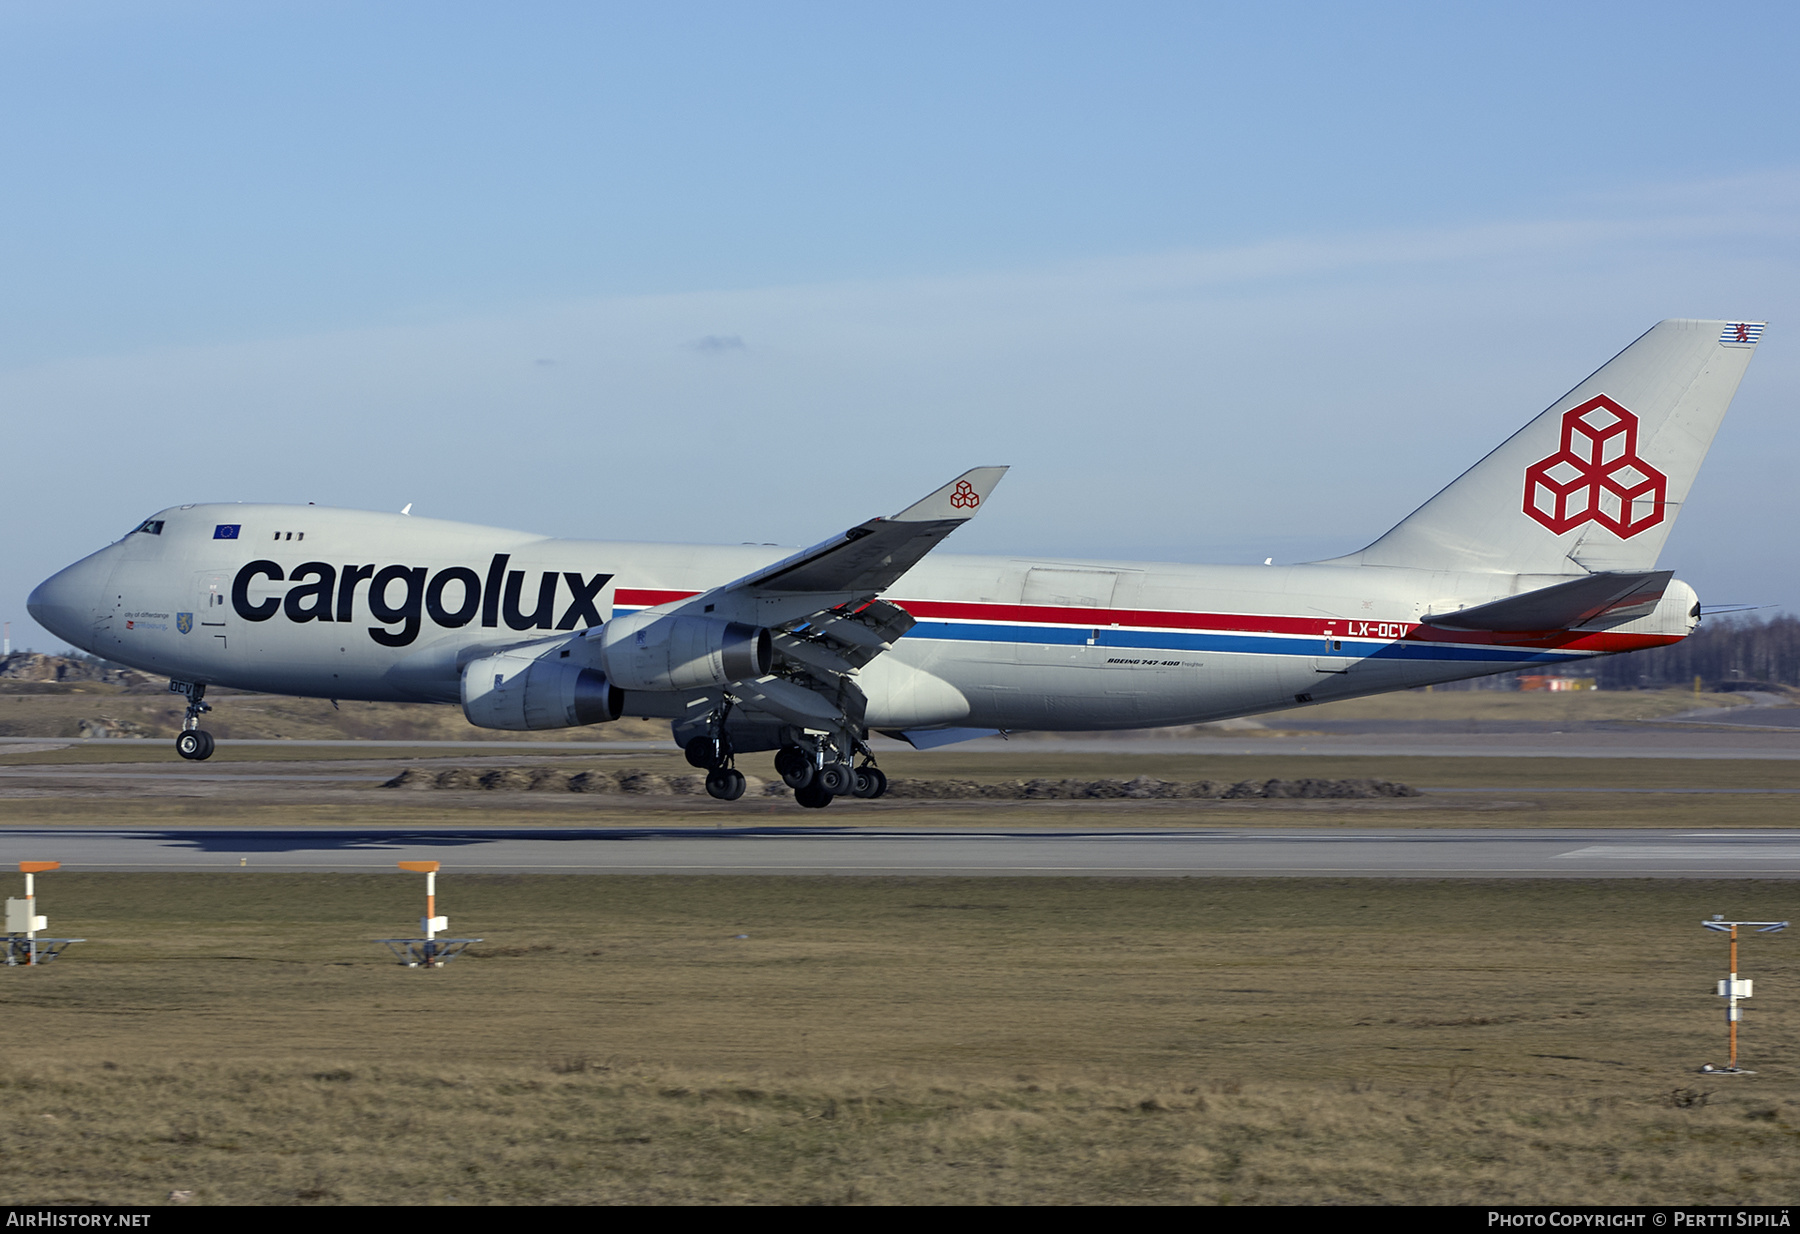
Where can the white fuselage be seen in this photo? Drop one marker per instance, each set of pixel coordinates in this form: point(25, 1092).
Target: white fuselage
point(1020, 643)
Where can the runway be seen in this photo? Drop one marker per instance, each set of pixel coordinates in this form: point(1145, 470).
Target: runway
point(1756, 733)
point(870, 851)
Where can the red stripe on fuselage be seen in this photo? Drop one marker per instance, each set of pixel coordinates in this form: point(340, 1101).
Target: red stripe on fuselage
point(637, 597)
point(1163, 619)
point(1100, 618)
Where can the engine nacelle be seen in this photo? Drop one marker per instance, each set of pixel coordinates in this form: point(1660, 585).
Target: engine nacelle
point(517, 690)
point(676, 651)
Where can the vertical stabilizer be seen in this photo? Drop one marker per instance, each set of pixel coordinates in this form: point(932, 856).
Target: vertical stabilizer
point(1595, 482)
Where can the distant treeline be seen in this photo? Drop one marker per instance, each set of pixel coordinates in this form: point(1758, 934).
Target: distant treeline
point(1722, 650)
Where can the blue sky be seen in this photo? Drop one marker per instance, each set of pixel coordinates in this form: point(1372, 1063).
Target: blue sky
point(1221, 282)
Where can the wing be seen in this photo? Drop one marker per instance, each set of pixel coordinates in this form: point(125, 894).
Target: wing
point(821, 605)
point(869, 557)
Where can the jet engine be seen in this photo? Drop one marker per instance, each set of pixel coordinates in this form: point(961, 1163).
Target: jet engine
point(519, 690)
point(678, 651)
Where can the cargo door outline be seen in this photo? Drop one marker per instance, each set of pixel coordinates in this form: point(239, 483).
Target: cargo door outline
point(1331, 658)
point(1066, 588)
point(213, 614)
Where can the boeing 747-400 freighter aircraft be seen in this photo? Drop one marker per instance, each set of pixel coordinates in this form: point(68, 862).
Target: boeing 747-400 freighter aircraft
point(1542, 553)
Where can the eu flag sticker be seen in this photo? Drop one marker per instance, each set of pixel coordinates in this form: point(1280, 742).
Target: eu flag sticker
point(226, 531)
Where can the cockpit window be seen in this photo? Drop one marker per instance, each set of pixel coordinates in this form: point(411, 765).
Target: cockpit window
point(150, 527)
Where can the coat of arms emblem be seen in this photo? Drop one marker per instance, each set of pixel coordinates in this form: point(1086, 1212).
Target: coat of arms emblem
point(184, 622)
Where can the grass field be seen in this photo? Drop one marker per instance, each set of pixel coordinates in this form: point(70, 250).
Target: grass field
point(899, 1040)
point(240, 1036)
point(1540, 706)
point(34, 710)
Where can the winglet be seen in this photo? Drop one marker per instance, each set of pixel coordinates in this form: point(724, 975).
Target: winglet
point(959, 499)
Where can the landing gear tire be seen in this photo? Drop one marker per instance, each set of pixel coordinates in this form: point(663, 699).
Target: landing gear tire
point(195, 745)
point(836, 778)
point(813, 797)
point(725, 784)
point(796, 772)
point(870, 783)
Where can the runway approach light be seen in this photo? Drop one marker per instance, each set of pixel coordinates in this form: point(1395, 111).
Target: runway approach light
point(1732, 989)
point(430, 951)
point(23, 946)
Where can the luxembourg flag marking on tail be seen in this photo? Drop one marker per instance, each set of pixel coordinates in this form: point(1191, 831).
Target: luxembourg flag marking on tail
point(1742, 333)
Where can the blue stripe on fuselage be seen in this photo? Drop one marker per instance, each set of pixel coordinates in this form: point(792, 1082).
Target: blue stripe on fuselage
point(1240, 644)
point(1232, 643)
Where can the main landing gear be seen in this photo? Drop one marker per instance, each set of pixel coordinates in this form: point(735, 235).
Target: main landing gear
point(194, 743)
point(712, 752)
point(822, 773)
point(817, 767)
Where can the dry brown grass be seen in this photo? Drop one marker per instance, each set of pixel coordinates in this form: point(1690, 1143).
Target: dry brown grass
point(29, 713)
point(900, 1040)
point(584, 1133)
point(1537, 706)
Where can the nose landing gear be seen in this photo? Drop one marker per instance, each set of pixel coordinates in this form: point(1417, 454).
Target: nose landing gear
point(194, 743)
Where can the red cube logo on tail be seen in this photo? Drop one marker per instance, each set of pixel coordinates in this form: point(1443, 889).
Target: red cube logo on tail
point(1597, 475)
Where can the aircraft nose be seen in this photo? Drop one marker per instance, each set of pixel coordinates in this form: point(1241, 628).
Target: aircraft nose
point(64, 603)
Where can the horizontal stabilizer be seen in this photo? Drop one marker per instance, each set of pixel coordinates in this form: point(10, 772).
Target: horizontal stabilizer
point(1614, 596)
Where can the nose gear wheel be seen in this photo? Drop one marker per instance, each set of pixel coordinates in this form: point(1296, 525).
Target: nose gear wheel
point(196, 745)
point(193, 742)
